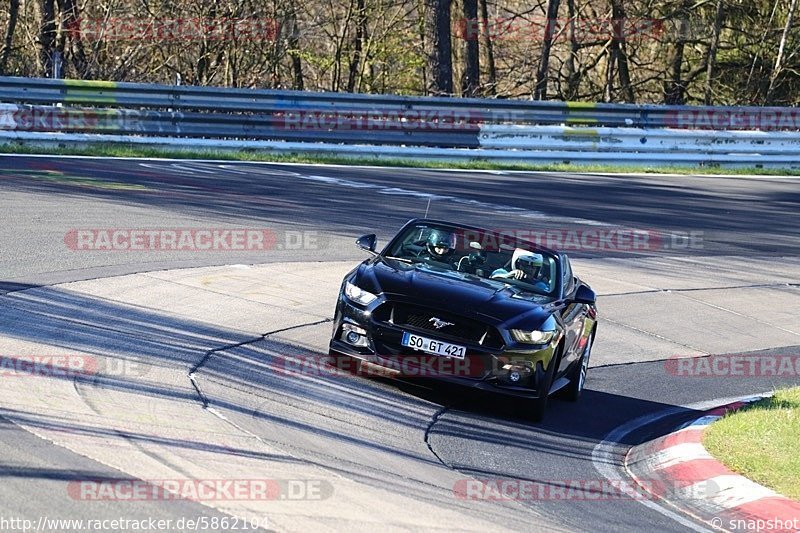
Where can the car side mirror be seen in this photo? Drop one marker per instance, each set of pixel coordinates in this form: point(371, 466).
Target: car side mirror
point(585, 295)
point(367, 242)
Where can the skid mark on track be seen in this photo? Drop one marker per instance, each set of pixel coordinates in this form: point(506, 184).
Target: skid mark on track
point(698, 289)
point(654, 335)
point(731, 311)
point(434, 420)
point(209, 353)
point(206, 404)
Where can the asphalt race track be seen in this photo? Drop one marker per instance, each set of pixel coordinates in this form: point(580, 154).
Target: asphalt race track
point(209, 341)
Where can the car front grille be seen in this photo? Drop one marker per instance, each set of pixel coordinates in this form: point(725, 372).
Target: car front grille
point(456, 327)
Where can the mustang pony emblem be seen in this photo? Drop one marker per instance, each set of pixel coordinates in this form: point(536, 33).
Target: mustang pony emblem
point(438, 323)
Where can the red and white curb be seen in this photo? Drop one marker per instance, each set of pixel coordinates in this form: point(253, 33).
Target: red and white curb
point(677, 469)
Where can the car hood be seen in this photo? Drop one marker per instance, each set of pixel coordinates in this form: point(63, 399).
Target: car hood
point(455, 292)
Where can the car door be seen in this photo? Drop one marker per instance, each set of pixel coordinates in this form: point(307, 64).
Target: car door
point(573, 316)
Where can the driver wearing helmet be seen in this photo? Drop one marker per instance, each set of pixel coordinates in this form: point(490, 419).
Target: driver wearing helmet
point(525, 266)
point(441, 245)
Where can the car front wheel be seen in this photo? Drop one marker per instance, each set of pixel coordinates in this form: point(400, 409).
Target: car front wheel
point(577, 377)
point(534, 410)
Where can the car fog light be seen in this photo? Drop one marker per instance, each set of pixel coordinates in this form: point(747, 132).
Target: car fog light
point(354, 335)
point(516, 374)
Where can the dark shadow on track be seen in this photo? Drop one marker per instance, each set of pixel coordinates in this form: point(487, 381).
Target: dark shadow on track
point(9, 286)
point(334, 421)
point(75, 322)
point(729, 212)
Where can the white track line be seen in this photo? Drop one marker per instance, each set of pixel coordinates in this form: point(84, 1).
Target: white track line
point(635, 173)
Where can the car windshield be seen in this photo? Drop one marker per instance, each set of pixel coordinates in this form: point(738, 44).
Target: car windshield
point(486, 255)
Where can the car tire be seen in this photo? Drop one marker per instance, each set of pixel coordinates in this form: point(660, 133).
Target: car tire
point(577, 378)
point(534, 410)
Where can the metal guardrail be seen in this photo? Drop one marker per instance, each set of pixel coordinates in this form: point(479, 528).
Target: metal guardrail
point(495, 111)
point(58, 110)
point(191, 98)
point(216, 125)
point(638, 140)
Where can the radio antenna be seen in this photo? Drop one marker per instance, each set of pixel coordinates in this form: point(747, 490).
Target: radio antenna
point(428, 208)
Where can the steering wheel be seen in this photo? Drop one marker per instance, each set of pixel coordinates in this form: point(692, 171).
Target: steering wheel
point(414, 249)
point(473, 259)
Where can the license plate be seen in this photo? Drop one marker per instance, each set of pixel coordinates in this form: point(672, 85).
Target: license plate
point(431, 346)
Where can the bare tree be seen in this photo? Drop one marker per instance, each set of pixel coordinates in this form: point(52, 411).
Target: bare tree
point(619, 56)
point(47, 36)
point(490, 87)
point(573, 75)
point(13, 16)
point(712, 52)
point(764, 36)
point(674, 86)
point(358, 44)
point(293, 40)
point(405, 47)
point(776, 71)
point(551, 26)
point(440, 60)
point(470, 81)
point(70, 30)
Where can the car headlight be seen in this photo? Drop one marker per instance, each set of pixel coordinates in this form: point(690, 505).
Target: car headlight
point(532, 337)
point(358, 295)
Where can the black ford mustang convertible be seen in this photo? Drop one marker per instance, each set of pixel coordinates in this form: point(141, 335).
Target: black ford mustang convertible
point(477, 307)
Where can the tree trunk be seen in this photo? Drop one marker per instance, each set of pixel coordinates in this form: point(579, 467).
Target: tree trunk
point(13, 16)
point(611, 58)
point(551, 26)
point(441, 49)
point(203, 68)
point(781, 50)
point(573, 77)
point(675, 87)
point(358, 44)
point(756, 56)
point(470, 82)
point(47, 37)
point(294, 51)
point(491, 85)
point(71, 29)
point(712, 52)
point(618, 53)
point(339, 48)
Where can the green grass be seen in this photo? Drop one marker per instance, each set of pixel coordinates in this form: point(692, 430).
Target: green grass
point(114, 150)
point(761, 442)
